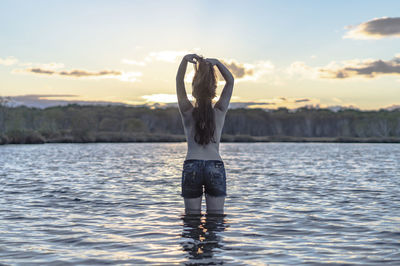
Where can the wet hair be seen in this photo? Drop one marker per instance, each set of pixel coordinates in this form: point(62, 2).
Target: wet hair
point(204, 87)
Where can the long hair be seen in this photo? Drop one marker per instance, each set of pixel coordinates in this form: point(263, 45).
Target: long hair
point(203, 90)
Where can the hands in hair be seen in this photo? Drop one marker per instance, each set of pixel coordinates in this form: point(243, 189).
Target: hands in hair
point(194, 58)
point(190, 58)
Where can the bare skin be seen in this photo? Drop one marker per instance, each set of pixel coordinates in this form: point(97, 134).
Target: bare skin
point(215, 205)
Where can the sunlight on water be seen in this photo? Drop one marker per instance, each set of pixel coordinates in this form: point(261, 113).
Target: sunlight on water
point(288, 203)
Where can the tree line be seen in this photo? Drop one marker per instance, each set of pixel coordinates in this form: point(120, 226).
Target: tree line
point(112, 123)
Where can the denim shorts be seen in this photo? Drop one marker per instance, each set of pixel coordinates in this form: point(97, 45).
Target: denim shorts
point(209, 174)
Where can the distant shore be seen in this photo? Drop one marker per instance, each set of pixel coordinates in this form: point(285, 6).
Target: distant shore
point(36, 138)
point(91, 124)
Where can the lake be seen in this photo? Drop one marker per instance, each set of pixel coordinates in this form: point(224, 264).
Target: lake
point(288, 203)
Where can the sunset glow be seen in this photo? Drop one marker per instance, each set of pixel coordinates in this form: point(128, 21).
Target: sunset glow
point(282, 54)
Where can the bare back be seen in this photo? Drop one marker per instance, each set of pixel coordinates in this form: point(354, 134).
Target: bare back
point(195, 150)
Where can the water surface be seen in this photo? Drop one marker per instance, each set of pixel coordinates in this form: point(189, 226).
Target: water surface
point(288, 203)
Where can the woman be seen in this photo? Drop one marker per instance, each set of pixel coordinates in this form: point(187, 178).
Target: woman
point(203, 124)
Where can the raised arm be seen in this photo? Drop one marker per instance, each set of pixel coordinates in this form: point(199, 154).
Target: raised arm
point(224, 99)
point(183, 101)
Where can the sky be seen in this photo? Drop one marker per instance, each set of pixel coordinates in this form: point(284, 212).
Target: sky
point(282, 53)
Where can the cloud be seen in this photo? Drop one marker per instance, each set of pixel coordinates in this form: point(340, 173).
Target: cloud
point(48, 100)
point(247, 71)
point(368, 68)
point(40, 71)
point(43, 96)
point(84, 73)
point(170, 100)
point(52, 69)
point(241, 71)
point(78, 73)
point(10, 60)
point(73, 73)
point(301, 100)
point(128, 76)
point(238, 70)
point(276, 102)
point(133, 62)
point(376, 28)
point(251, 104)
point(300, 69)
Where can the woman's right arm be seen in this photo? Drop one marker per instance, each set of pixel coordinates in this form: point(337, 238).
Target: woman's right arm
point(224, 99)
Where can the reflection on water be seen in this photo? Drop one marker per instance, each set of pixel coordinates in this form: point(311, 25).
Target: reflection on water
point(120, 204)
point(201, 237)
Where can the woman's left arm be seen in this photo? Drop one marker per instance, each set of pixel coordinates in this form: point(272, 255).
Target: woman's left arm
point(183, 101)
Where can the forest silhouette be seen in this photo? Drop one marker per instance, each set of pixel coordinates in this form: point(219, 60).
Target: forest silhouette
point(96, 123)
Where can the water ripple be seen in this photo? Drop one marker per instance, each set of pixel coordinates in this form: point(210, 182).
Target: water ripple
point(288, 203)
